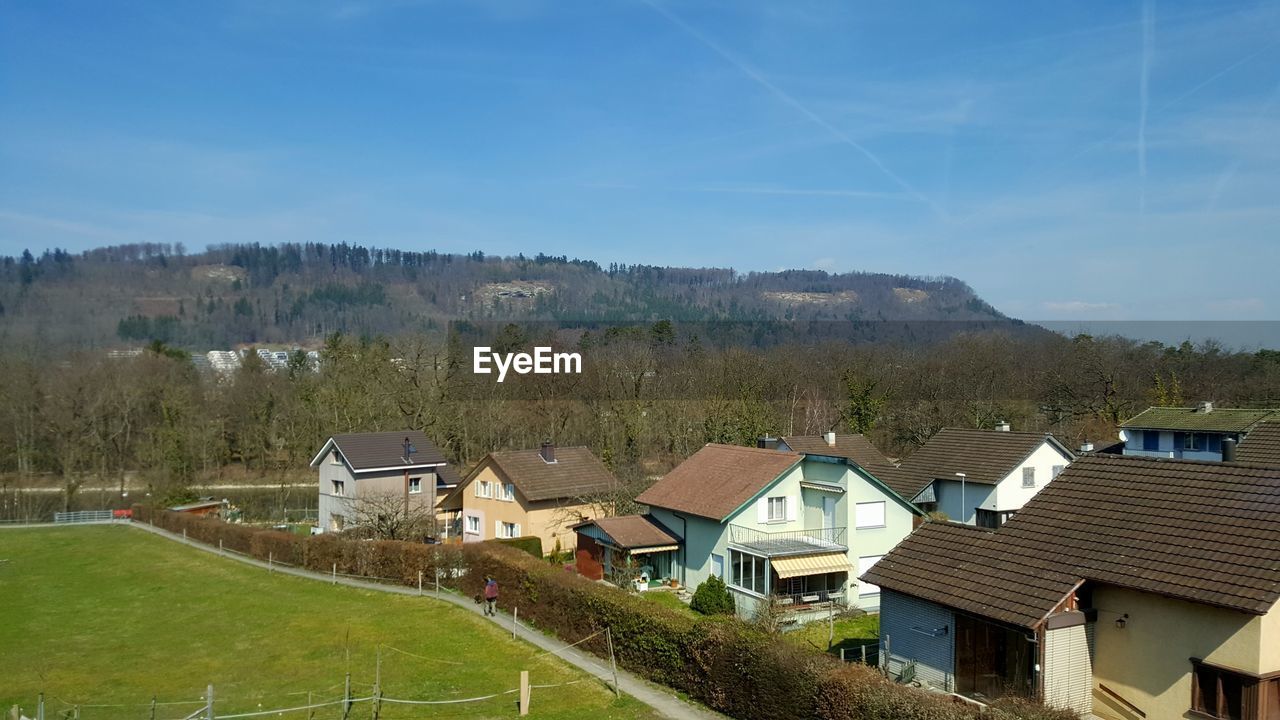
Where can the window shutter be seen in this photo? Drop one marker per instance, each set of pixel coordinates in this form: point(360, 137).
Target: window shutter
point(518, 533)
point(792, 508)
point(762, 510)
point(497, 528)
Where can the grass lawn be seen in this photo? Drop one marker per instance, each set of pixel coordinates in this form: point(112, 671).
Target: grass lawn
point(669, 599)
point(110, 615)
point(850, 632)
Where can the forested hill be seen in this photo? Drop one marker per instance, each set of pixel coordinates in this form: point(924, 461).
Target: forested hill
point(295, 294)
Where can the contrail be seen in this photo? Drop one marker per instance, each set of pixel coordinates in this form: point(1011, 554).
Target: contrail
point(1228, 173)
point(796, 104)
point(1144, 99)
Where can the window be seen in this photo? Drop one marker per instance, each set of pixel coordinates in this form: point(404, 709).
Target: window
point(864, 564)
point(508, 530)
point(717, 565)
point(339, 487)
point(1057, 470)
point(1218, 693)
point(415, 486)
point(334, 459)
point(1028, 477)
point(483, 490)
point(869, 515)
point(507, 492)
point(777, 509)
point(1189, 441)
point(1150, 440)
point(473, 525)
point(747, 572)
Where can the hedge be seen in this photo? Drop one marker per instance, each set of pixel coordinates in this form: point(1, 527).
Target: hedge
point(531, 544)
point(729, 665)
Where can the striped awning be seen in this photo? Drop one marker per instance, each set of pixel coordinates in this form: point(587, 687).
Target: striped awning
point(655, 549)
point(789, 567)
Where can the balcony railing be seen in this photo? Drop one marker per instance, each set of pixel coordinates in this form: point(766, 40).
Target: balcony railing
point(789, 542)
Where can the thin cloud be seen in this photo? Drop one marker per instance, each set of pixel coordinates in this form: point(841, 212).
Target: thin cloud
point(1079, 306)
point(795, 104)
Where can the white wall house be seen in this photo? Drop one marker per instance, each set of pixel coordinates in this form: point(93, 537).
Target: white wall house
point(1203, 432)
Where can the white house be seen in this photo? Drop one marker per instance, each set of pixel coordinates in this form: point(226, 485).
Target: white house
point(979, 477)
point(1203, 432)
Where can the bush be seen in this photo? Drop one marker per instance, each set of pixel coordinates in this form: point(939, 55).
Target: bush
point(531, 544)
point(713, 598)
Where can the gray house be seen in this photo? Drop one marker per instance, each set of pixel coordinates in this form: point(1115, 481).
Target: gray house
point(401, 463)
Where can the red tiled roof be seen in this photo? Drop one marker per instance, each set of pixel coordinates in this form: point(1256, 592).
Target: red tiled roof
point(718, 479)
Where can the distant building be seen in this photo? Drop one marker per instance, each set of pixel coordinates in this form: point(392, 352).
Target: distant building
point(355, 465)
point(1191, 433)
point(224, 361)
point(978, 477)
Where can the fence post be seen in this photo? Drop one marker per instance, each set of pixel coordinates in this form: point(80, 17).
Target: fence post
point(209, 704)
point(864, 654)
point(271, 557)
point(515, 620)
point(377, 685)
point(335, 573)
point(841, 654)
point(153, 708)
point(613, 663)
point(346, 697)
point(311, 712)
point(419, 582)
point(40, 707)
point(184, 534)
point(220, 547)
point(524, 692)
point(437, 580)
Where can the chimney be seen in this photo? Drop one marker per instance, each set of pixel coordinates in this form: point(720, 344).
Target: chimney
point(767, 442)
point(1002, 426)
point(1086, 446)
point(548, 451)
point(1206, 406)
point(830, 438)
point(1228, 449)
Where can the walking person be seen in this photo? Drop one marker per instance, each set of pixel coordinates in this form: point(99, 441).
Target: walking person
point(490, 596)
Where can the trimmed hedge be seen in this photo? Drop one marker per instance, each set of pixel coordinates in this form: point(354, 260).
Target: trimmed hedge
point(531, 544)
point(729, 665)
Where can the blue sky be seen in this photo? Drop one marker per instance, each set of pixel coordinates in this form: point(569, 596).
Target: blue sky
point(1090, 160)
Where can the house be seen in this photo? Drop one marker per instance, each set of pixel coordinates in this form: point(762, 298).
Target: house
point(1128, 588)
point(1190, 433)
point(401, 465)
point(978, 477)
point(1262, 445)
point(542, 492)
point(777, 523)
point(851, 447)
point(630, 548)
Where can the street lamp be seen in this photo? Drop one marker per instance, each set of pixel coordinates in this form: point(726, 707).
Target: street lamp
point(962, 505)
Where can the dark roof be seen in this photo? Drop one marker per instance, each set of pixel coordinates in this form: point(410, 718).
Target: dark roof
point(1206, 532)
point(854, 447)
point(968, 568)
point(633, 531)
point(1226, 420)
point(1261, 445)
point(718, 479)
point(447, 475)
point(575, 473)
point(365, 451)
point(984, 456)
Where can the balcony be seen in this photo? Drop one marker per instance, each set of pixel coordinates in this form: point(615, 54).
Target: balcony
point(792, 542)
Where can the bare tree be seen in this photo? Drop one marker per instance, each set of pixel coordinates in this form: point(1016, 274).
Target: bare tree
point(387, 516)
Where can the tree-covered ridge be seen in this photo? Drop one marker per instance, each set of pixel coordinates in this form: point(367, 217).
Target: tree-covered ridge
point(297, 293)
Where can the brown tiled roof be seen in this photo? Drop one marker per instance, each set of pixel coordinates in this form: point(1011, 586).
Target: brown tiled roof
point(386, 449)
point(854, 447)
point(634, 531)
point(984, 456)
point(448, 475)
point(576, 473)
point(1191, 419)
point(718, 479)
point(1261, 445)
point(968, 568)
point(1206, 532)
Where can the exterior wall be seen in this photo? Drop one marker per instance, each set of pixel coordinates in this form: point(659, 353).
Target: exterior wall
point(907, 626)
point(867, 543)
point(1147, 662)
point(958, 503)
point(554, 522)
point(1167, 448)
point(701, 536)
point(1010, 495)
point(1068, 668)
point(331, 504)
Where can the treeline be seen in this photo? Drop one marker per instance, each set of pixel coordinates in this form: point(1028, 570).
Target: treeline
point(298, 293)
point(647, 398)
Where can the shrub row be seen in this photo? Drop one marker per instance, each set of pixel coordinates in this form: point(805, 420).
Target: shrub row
point(727, 664)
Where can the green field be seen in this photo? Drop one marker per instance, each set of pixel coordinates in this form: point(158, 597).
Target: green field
point(112, 616)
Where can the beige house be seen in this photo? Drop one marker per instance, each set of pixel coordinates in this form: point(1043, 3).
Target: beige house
point(1130, 588)
point(520, 493)
point(401, 466)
